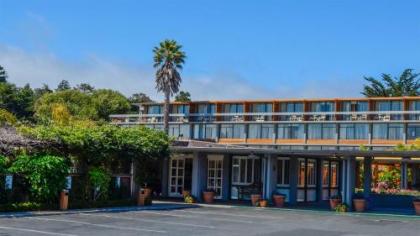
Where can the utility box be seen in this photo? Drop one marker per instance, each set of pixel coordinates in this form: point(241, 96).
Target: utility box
point(64, 200)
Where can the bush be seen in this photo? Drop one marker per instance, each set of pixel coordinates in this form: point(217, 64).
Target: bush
point(45, 174)
point(341, 208)
point(22, 206)
point(99, 180)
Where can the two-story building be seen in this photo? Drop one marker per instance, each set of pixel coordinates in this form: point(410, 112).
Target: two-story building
point(308, 149)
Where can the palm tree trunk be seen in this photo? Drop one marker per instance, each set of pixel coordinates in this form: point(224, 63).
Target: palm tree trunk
point(166, 112)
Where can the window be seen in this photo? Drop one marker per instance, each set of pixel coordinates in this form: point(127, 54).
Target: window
point(233, 108)
point(354, 131)
point(413, 131)
point(232, 131)
point(311, 173)
point(205, 131)
point(290, 131)
point(283, 168)
point(292, 107)
point(322, 131)
point(389, 106)
point(262, 107)
point(155, 109)
point(322, 107)
point(245, 170)
point(261, 131)
point(388, 131)
point(179, 131)
point(355, 106)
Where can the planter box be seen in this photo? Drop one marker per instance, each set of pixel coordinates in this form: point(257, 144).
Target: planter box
point(390, 201)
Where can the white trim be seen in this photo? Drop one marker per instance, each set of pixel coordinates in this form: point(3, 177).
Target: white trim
point(283, 159)
point(217, 159)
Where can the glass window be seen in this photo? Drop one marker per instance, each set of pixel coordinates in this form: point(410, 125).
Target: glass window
point(311, 173)
point(245, 170)
point(413, 131)
point(291, 107)
point(263, 131)
point(155, 109)
point(261, 107)
point(322, 131)
point(233, 108)
point(290, 131)
point(283, 166)
point(354, 131)
point(232, 131)
point(301, 173)
point(389, 106)
point(388, 131)
point(355, 106)
point(323, 107)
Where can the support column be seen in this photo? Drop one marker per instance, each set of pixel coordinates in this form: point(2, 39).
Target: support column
point(404, 173)
point(165, 176)
point(294, 169)
point(227, 166)
point(199, 175)
point(271, 176)
point(367, 176)
point(350, 180)
point(319, 170)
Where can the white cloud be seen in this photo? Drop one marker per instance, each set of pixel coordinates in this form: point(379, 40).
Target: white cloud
point(39, 68)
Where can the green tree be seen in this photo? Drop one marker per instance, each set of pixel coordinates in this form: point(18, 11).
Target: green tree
point(3, 75)
point(77, 103)
point(139, 98)
point(7, 118)
point(183, 97)
point(107, 102)
point(407, 84)
point(168, 59)
point(85, 87)
point(46, 175)
point(41, 91)
point(63, 85)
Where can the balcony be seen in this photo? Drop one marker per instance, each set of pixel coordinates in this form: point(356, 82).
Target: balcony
point(277, 117)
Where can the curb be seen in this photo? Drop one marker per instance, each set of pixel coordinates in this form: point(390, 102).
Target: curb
point(158, 206)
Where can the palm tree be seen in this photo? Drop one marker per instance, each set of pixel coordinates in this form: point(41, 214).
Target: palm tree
point(3, 75)
point(406, 85)
point(168, 59)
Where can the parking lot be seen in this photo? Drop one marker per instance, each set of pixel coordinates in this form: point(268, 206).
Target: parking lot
point(209, 221)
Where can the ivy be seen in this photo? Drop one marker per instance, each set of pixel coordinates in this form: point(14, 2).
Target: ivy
point(46, 175)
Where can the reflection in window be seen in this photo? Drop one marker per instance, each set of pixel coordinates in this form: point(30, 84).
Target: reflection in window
point(388, 131)
point(354, 131)
point(290, 131)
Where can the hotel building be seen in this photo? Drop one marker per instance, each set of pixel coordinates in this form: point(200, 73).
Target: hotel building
point(307, 149)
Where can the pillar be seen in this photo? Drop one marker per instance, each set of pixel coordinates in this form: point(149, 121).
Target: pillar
point(294, 169)
point(367, 176)
point(165, 176)
point(227, 166)
point(199, 175)
point(404, 173)
point(271, 176)
point(350, 180)
point(319, 170)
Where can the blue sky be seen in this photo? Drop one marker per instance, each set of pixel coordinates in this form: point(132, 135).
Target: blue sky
point(236, 49)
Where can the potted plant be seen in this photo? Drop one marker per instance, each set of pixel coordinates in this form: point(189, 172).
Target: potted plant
point(255, 198)
point(208, 196)
point(359, 203)
point(186, 193)
point(335, 201)
point(263, 203)
point(278, 199)
point(340, 208)
point(416, 203)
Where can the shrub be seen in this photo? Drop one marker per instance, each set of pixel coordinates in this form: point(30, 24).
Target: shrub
point(21, 206)
point(46, 175)
point(341, 208)
point(99, 180)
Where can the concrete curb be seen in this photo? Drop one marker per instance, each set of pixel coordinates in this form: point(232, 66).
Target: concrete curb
point(155, 206)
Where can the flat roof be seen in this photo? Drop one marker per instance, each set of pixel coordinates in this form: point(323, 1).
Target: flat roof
point(290, 100)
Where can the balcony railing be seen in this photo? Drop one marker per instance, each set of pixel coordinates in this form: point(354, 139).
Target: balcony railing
point(276, 117)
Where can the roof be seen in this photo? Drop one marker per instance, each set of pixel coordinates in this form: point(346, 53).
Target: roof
point(209, 147)
point(289, 100)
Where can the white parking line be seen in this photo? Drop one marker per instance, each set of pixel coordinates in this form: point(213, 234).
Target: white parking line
point(195, 217)
point(35, 231)
point(150, 221)
point(232, 214)
point(100, 225)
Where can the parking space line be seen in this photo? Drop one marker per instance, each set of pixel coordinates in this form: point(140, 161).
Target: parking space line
point(35, 231)
point(195, 217)
point(99, 225)
point(232, 214)
point(150, 221)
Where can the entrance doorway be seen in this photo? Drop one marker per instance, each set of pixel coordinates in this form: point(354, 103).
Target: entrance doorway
point(215, 175)
point(307, 180)
point(180, 177)
point(330, 179)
